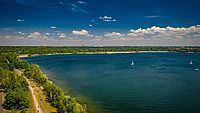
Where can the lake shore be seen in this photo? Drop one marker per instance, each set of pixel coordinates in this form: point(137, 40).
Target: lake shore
point(126, 52)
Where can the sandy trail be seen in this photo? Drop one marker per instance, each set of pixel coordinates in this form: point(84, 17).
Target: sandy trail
point(37, 106)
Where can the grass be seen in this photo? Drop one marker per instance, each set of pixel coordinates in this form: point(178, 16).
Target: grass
point(42, 100)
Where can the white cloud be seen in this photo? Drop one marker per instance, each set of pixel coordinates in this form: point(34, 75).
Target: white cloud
point(20, 20)
point(53, 27)
point(20, 33)
point(153, 16)
point(62, 35)
point(113, 34)
point(35, 35)
point(90, 25)
point(47, 33)
point(166, 33)
point(81, 2)
point(107, 19)
point(45, 37)
point(81, 33)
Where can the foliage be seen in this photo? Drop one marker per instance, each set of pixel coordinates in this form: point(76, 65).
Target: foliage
point(16, 99)
point(13, 84)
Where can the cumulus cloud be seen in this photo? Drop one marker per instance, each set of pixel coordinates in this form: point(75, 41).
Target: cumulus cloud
point(113, 34)
point(20, 33)
point(81, 33)
point(47, 33)
point(107, 19)
point(62, 35)
point(35, 35)
point(166, 33)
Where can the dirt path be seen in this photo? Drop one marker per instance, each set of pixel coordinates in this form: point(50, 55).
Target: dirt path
point(1, 108)
point(37, 106)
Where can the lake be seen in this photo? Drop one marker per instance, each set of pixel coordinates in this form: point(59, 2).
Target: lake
point(107, 83)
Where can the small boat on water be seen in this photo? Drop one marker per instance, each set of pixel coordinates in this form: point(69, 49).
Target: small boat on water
point(132, 63)
point(191, 62)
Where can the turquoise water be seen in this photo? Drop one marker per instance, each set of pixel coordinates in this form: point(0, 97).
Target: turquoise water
point(157, 83)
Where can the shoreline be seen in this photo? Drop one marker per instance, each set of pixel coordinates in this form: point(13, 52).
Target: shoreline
point(125, 52)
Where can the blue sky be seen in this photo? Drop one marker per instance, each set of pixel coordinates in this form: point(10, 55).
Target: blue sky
point(99, 22)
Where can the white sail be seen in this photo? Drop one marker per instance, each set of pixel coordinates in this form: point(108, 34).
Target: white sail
point(132, 63)
point(191, 62)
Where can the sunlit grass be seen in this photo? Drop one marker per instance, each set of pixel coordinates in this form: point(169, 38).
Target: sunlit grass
point(45, 106)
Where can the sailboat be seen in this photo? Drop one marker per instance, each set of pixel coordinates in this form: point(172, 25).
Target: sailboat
point(132, 63)
point(191, 62)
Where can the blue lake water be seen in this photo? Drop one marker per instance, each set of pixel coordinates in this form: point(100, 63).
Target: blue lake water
point(157, 83)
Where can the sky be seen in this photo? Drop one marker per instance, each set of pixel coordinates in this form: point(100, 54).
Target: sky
point(100, 22)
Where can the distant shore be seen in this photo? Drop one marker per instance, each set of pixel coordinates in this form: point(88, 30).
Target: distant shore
point(23, 56)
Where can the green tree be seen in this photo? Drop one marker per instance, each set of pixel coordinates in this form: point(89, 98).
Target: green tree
point(16, 99)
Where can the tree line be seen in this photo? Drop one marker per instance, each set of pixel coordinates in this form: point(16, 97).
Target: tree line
point(53, 50)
